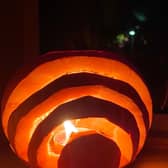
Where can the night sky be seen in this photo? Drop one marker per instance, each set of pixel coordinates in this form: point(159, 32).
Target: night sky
point(95, 25)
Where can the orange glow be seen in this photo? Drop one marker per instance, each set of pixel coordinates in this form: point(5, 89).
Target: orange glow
point(70, 65)
point(31, 120)
point(85, 127)
point(33, 103)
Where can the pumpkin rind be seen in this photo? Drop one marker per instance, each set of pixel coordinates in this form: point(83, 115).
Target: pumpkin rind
point(60, 80)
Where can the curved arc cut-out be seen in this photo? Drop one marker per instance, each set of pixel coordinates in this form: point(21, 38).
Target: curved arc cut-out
point(110, 68)
point(40, 112)
point(117, 136)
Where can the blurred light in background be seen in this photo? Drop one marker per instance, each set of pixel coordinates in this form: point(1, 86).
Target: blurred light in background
point(132, 33)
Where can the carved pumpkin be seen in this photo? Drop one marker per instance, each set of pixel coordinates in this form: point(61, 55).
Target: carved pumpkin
point(89, 92)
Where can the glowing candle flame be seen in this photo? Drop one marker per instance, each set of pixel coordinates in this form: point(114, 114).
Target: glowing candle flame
point(69, 128)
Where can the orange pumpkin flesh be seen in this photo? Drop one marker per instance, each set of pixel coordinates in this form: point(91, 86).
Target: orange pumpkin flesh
point(108, 130)
point(27, 123)
point(52, 70)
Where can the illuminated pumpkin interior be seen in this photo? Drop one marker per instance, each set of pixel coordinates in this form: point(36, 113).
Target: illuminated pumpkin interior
point(69, 130)
point(40, 122)
point(71, 65)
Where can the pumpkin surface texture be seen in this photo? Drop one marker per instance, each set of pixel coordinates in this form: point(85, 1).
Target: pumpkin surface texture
point(77, 107)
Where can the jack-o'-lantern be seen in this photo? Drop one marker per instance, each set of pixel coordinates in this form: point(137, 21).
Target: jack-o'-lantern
point(65, 95)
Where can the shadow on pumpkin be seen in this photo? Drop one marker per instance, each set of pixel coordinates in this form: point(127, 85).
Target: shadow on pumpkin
point(90, 151)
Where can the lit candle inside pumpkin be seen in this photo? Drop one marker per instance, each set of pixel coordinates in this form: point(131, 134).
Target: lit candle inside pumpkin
point(63, 136)
point(68, 132)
